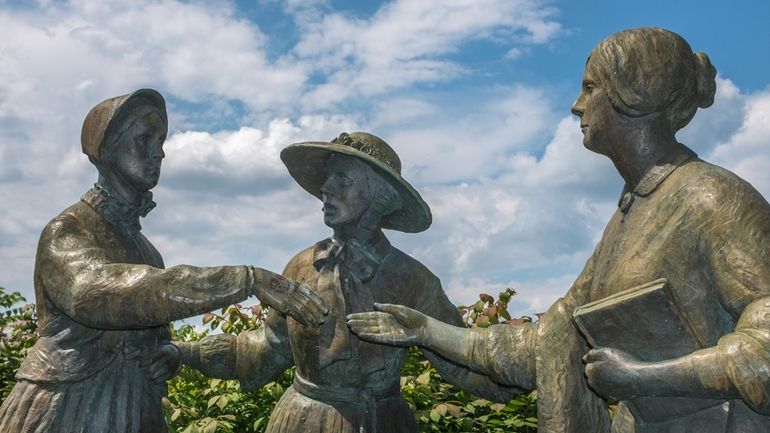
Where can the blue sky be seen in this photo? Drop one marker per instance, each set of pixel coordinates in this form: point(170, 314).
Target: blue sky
point(473, 94)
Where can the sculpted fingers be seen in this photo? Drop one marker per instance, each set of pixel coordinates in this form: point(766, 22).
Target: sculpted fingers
point(405, 315)
point(309, 304)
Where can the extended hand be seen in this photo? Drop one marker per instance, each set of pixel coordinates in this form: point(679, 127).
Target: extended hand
point(295, 300)
point(162, 364)
point(391, 324)
point(614, 374)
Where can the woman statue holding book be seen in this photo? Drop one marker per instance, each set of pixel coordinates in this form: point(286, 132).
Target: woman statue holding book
point(104, 299)
point(699, 226)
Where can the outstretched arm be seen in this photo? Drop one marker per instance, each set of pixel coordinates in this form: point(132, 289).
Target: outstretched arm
point(83, 281)
point(253, 357)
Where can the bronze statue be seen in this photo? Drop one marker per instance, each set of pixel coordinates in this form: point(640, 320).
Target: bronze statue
point(687, 235)
point(343, 384)
point(104, 300)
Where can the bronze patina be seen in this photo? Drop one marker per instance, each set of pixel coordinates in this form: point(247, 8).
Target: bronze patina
point(104, 299)
point(343, 384)
point(693, 228)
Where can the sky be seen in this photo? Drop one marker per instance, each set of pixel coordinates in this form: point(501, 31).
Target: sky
point(474, 95)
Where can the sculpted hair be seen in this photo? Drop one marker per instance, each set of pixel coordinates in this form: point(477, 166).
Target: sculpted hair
point(651, 70)
point(384, 199)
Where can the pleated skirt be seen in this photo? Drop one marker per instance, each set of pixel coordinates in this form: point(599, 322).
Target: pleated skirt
point(118, 399)
point(297, 413)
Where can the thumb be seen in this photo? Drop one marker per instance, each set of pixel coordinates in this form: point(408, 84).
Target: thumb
point(400, 312)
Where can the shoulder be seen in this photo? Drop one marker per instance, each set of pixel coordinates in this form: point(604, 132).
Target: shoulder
point(717, 190)
point(78, 219)
point(399, 261)
point(300, 267)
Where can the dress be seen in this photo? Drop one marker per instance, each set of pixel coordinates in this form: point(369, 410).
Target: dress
point(103, 304)
point(342, 384)
point(708, 232)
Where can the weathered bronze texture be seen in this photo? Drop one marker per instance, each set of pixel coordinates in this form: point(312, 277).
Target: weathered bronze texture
point(699, 226)
point(343, 384)
point(104, 299)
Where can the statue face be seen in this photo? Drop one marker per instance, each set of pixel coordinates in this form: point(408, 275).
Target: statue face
point(345, 193)
point(600, 122)
point(137, 154)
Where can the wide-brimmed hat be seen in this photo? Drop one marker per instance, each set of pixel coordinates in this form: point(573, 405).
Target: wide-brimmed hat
point(307, 165)
point(106, 115)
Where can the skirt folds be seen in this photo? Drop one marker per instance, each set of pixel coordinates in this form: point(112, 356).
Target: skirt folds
point(118, 399)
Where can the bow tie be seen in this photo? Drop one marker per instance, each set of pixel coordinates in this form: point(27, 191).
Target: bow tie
point(353, 256)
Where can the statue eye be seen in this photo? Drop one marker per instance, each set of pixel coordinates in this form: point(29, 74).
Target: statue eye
point(345, 181)
point(143, 139)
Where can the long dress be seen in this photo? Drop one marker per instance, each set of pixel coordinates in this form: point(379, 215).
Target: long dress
point(708, 232)
point(342, 384)
point(103, 304)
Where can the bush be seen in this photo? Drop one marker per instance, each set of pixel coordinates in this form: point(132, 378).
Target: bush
point(17, 335)
point(197, 404)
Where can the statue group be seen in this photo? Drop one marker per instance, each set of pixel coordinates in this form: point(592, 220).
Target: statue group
point(670, 316)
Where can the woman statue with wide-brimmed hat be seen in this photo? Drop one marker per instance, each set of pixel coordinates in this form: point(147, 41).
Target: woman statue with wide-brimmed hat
point(700, 227)
point(104, 300)
point(343, 384)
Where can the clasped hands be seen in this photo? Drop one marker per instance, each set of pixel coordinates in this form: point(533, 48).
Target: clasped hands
point(292, 298)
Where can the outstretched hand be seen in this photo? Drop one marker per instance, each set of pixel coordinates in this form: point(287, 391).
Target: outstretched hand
point(614, 374)
point(294, 299)
point(391, 324)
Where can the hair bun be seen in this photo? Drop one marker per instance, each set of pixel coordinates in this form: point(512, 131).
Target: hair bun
point(705, 80)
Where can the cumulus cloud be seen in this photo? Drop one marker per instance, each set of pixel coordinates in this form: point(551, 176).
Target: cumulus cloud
point(517, 201)
point(245, 161)
point(407, 42)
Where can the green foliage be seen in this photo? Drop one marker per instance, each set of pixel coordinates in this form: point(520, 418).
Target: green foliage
point(488, 311)
point(17, 335)
point(440, 407)
point(196, 404)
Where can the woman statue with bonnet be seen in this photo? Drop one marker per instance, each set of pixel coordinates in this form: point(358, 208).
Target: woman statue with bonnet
point(343, 384)
point(104, 299)
point(701, 227)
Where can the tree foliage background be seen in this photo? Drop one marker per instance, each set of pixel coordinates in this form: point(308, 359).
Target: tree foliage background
point(197, 404)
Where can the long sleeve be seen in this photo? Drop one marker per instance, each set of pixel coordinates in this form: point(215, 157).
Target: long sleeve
point(253, 357)
point(263, 354)
point(82, 280)
point(565, 402)
point(739, 254)
point(479, 379)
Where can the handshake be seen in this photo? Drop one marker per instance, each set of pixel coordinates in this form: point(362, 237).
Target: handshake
point(287, 296)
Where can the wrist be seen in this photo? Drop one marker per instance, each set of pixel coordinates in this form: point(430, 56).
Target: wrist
point(189, 353)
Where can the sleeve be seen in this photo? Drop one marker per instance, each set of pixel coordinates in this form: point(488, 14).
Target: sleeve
point(80, 279)
point(739, 254)
point(253, 357)
point(263, 354)
point(480, 379)
point(562, 388)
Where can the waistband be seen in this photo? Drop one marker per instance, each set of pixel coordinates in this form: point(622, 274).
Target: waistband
point(333, 394)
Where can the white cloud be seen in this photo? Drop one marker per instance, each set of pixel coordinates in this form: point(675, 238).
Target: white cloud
point(409, 42)
point(746, 152)
point(517, 200)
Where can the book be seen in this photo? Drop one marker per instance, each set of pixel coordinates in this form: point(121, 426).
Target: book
point(647, 323)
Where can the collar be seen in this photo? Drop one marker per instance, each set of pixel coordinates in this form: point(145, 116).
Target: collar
point(654, 177)
point(361, 259)
point(113, 208)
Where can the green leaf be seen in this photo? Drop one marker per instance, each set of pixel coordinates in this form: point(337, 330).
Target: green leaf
point(212, 401)
point(210, 427)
